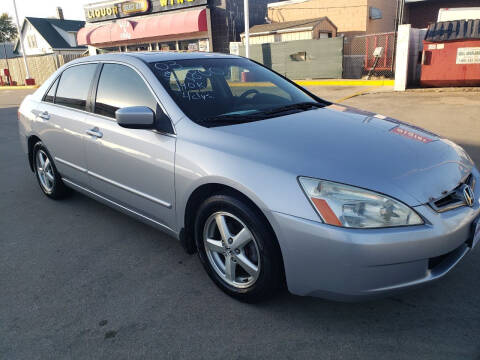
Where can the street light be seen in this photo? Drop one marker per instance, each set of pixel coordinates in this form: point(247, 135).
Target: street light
point(247, 28)
point(21, 40)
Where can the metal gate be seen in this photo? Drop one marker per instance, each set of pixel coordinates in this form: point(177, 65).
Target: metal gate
point(359, 58)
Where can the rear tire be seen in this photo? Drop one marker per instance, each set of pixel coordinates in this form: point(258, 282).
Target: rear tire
point(47, 174)
point(237, 249)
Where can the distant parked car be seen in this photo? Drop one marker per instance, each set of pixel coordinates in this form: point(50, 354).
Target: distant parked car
point(269, 183)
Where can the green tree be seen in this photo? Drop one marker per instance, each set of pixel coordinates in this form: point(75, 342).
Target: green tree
point(8, 32)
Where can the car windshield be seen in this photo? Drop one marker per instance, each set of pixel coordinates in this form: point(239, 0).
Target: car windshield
point(224, 91)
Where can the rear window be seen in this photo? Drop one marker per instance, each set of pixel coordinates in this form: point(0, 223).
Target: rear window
point(74, 86)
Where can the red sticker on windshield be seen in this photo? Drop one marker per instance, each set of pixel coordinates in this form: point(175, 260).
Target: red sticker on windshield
point(411, 135)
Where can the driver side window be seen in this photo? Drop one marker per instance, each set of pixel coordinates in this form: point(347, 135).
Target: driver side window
point(120, 86)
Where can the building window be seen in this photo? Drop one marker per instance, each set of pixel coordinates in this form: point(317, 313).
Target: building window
point(188, 45)
point(138, 47)
point(168, 46)
point(108, 50)
point(32, 41)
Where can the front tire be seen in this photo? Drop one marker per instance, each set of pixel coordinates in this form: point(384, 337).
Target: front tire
point(47, 174)
point(237, 248)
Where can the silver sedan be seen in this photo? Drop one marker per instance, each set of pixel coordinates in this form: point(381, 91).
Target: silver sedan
point(270, 184)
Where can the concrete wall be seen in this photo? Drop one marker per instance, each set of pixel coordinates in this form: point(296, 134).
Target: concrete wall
point(409, 48)
point(323, 58)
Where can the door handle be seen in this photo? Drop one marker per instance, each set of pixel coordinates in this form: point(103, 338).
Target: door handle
point(44, 115)
point(95, 132)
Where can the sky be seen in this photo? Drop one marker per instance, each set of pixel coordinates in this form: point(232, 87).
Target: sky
point(72, 9)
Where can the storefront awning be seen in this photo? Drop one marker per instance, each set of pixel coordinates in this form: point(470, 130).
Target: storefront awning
point(184, 22)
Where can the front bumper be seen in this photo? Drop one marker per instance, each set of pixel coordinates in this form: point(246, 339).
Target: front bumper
point(354, 264)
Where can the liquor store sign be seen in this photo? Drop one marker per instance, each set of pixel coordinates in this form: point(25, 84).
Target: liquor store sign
point(114, 10)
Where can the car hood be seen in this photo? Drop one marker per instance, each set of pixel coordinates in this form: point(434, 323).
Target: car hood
point(359, 148)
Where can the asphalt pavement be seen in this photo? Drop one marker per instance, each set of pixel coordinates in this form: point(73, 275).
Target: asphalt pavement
point(79, 280)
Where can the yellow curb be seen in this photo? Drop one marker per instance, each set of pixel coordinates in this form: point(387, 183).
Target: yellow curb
point(19, 87)
point(345, 82)
point(354, 94)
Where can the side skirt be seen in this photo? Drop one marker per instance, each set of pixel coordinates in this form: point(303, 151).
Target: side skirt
point(121, 208)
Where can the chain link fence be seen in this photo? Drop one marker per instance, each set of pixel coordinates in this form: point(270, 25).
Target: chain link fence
point(369, 55)
point(40, 67)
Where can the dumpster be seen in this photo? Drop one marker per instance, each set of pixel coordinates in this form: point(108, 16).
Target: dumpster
point(451, 54)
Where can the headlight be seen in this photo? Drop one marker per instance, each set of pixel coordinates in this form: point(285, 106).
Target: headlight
point(349, 206)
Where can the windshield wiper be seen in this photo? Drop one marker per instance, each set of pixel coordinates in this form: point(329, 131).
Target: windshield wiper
point(299, 106)
point(230, 119)
point(264, 114)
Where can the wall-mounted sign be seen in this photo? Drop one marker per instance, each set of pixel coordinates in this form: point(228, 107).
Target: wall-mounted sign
point(469, 55)
point(121, 9)
point(134, 7)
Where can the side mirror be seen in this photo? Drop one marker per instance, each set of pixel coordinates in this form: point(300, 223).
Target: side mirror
point(135, 117)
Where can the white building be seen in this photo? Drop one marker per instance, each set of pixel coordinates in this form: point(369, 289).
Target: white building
point(50, 35)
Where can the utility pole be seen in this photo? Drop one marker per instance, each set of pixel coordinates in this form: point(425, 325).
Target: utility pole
point(247, 28)
point(6, 60)
point(21, 40)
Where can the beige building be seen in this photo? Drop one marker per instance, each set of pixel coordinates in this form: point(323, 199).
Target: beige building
point(350, 16)
point(321, 28)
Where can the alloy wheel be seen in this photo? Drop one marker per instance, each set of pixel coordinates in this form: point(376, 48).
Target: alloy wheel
point(45, 171)
point(231, 249)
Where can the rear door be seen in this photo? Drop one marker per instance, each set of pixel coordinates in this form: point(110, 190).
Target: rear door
point(61, 121)
point(133, 167)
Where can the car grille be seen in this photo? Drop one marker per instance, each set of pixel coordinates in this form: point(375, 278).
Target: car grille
point(454, 198)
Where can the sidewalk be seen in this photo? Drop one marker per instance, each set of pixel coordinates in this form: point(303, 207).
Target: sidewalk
point(339, 94)
point(19, 87)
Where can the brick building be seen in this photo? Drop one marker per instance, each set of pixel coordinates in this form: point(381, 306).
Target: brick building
point(350, 16)
point(144, 25)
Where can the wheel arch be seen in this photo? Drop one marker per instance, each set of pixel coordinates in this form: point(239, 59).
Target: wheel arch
point(32, 140)
point(200, 194)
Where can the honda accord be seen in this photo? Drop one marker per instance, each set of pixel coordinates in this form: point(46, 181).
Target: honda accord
point(270, 184)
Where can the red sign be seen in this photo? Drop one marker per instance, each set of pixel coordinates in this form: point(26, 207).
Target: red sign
point(411, 135)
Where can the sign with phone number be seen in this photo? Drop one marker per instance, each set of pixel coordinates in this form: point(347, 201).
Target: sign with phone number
point(470, 55)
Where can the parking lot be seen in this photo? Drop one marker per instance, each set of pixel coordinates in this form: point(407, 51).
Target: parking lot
point(80, 280)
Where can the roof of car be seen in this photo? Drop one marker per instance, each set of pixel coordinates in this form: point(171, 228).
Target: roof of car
point(154, 56)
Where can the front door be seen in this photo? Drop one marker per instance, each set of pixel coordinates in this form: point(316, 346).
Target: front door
point(133, 167)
